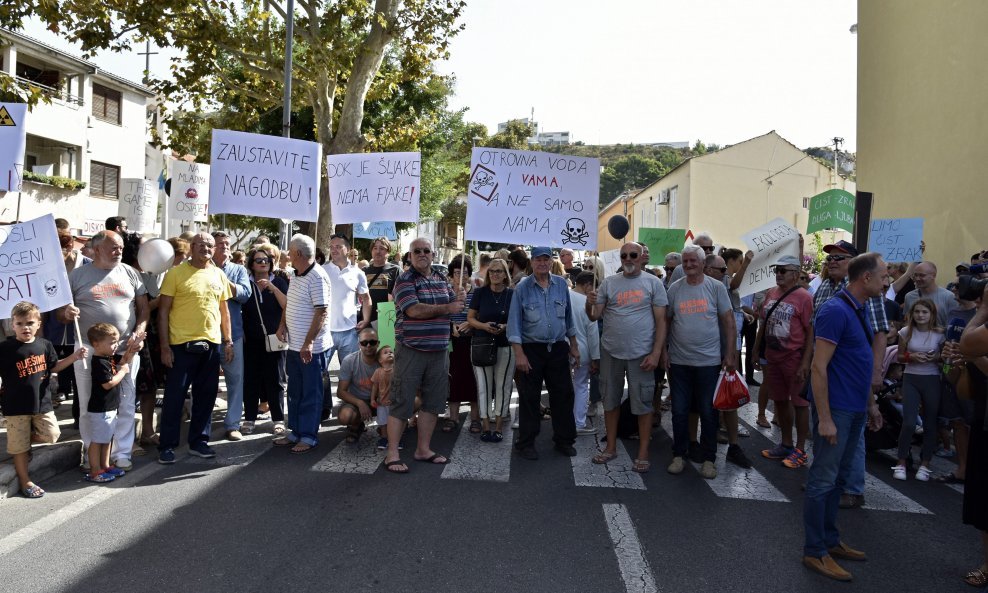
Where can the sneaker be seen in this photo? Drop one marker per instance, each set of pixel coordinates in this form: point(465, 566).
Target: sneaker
point(166, 457)
point(708, 470)
point(851, 501)
point(677, 465)
point(201, 449)
point(114, 471)
point(234, 435)
point(743, 432)
point(796, 459)
point(586, 430)
point(779, 451)
point(736, 456)
point(382, 443)
point(695, 452)
point(923, 474)
point(99, 478)
point(124, 464)
point(899, 472)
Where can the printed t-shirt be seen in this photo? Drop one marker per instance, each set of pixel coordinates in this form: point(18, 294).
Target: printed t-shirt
point(197, 294)
point(629, 324)
point(359, 374)
point(25, 370)
point(785, 331)
point(694, 329)
point(104, 400)
point(381, 283)
point(107, 296)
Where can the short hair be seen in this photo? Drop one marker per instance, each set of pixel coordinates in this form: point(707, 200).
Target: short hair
point(584, 278)
point(703, 235)
point(304, 244)
point(25, 309)
point(341, 238)
point(101, 236)
point(485, 259)
point(675, 255)
point(220, 235)
point(641, 248)
point(365, 330)
point(709, 260)
point(188, 236)
point(114, 222)
point(461, 261)
point(179, 245)
point(61, 224)
point(519, 258)
point(238, 257)
point(866, 263)
point(731, 254)
point(502, 254)
point(261, 239)
point(696, 250)
point(101, 331)
point(383, 241)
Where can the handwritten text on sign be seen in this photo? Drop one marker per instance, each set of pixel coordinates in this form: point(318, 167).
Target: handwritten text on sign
point(897, 239)
point(263, 175)
point(31, 266)
point(769, 243)
point(189, 197)
point(376, 186)
point(373, 230)
point(533, 198)
point(139, 204)
point(832, 209)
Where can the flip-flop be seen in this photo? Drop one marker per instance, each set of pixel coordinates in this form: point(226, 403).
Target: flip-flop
point(295, 450)
point(34, 491)
point(282, 442)
point(391, 466)
point(948, 478)
point(603, 457)
point(641, 466)
point(432, 459)
point(976, 578)
point(763, 422)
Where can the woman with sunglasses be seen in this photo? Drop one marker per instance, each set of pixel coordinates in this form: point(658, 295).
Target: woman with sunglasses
point(489, 313)
point(264, 372)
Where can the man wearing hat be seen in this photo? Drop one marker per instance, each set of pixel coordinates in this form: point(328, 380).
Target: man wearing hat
point(543, 337)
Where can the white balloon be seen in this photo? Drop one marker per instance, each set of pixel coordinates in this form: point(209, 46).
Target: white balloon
point(156, 256)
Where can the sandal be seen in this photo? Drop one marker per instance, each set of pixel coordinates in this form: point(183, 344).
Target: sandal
point(641, 466)
point(282, 442)
point(300, 448)
point(392, 466)
point(949, 478)
point(496, 436)
point(976, 578)
point(486, 436)
point(449, 425)
point(763, 422)
point(279, 429)
point(246, 428)
point(603, 457)
point(475, 426)
point(33, 491)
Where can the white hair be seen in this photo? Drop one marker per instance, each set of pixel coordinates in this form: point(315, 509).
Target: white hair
point(703, 235)
point(675, 256)
point(695, 250)
point(304, 244)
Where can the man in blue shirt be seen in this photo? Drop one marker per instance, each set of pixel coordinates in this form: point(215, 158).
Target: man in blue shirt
point(233, 371)
point(540, 323)
point(841, 395)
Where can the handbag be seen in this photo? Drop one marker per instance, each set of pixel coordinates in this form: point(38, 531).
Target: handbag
point(483, 350)
point(272, 343)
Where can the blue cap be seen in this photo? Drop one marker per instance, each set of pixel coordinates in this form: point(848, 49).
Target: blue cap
point(841, 246)
point(541, 251)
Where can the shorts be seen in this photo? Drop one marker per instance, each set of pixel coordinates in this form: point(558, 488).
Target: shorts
point(415, 371)
point(382, 415)
point(641, 384)
point(102, 425)
point(19, 431)
point(779, 376)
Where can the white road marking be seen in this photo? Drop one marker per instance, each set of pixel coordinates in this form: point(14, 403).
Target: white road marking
point(616, 473)
point(939, 465)
point(473, 459)
point(361, 457)
point(635, 571)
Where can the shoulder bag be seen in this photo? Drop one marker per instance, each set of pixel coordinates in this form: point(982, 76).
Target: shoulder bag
point(764, 344)
point(272, 343)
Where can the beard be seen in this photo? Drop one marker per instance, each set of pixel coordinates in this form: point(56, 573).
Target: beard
point(629, 268)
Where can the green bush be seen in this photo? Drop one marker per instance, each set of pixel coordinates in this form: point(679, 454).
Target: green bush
point(62, 182)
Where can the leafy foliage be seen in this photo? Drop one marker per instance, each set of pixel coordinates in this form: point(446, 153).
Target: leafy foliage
point(54, 180)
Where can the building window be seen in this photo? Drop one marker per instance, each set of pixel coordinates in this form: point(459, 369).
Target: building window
point(106, 104)
point(104, 180)
point(806, 203)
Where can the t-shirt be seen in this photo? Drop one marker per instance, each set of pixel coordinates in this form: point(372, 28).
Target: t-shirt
point(893, 311)
point(629, 324)
point(103, 400)
point(785, 331)
point(921, 341)
point(25, 370)
point(307, 291)
point(381, 283)
point(197, 294)
point(942, 298)
point(359, 374)
point(346, 283)
point(849, 371)
point(493, 307)
point(412, 288)
point(694, 328)
point(107, 296)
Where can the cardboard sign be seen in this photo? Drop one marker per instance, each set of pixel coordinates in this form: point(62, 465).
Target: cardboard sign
point(661, 241)
point(897, 239)
point(532, 198)
point(373, 230)
point(263, 175)
point(138, 203)
point(386, 323)
point(13, 142)
point(189, 197)
point(31, 266)
point(375, 186)
point(833, 209)
point(769, 242)
point(612, 261)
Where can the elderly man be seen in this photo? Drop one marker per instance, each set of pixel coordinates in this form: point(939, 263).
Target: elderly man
point(424, 302)
point(566, 258)
point(925, 277)
point(233, 371)
point(704, 242)
point(193, 322)
point(381, 275)
point(304, 325)
point(543, 337)
point(842, 402)
point(672, 261)
point(354, 389)
point(633, 305)
point(701, 320)
point(108, 291)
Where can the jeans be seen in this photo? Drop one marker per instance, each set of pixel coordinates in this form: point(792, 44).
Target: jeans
point(202, 372)
point(828, 474)
point(123, 435)
point(552, 367)
point(233, 372)
point(856, 479)
point(694, 385)
point(344, 343)
point(305, 396)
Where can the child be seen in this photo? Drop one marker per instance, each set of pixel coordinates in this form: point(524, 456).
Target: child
point(381, 392)
point(105, 398)
point(26, 365)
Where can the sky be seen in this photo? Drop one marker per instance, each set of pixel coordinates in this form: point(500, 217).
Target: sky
point(641, 71)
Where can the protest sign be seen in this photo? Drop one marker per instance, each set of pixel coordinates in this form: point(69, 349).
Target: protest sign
point(31, 266)
point(769, 242)
point(897, 239)
point(13, 142)
point(138, 203)
point(661, 241)
point(532, 198)
point(189, 191)
point(373, 230)
point(612, 261)
point(386, 323)
point(833, 209)
point(264, 175)
point(375, 186)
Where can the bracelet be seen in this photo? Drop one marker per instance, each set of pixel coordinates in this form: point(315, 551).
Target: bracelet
point(906, 357)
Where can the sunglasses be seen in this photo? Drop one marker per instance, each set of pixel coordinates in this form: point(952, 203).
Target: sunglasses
point(721, 270)
point(422, 250)
point(369, 342)
point(261, 260)
point(838, 257)
point(498, 271)
point(588, 266)
point(632, 255)
point(707, 249)
point(783, 270)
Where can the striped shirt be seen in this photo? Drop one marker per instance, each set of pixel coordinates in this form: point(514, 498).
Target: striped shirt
point(412, 288)
point(874, 306)
point(307, 292)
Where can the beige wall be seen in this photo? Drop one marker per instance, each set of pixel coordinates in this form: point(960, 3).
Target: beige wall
point(923, 119)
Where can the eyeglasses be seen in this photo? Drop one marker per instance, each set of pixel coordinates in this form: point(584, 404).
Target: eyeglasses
point(632, 255)
point(707, 249)
point(422, 250)
point(496, 272)
point(782, 270)
point(721, 270)
point(838, 257)
point(262, 260)
point(369, 342)
point(587, 266)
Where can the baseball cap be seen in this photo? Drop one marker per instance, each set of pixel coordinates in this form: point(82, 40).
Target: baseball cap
point(844, 246)
point(788, 260)
point(541, 252)
point(962, 267)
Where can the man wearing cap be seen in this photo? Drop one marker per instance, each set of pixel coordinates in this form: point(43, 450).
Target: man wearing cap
point(925, 277)
point(788, 337)
point(543, 337)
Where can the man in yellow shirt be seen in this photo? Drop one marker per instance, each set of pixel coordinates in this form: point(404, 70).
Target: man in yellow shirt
point(193, 322)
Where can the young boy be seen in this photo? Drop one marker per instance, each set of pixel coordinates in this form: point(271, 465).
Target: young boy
point(26, 365)
point(381, 392)
point(104, 398)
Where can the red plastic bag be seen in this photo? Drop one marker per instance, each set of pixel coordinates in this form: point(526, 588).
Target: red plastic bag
point(732, 391)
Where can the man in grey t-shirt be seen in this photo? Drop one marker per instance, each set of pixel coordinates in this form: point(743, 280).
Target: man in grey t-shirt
point(925, 277)
point(354, 388)
point(633, 305)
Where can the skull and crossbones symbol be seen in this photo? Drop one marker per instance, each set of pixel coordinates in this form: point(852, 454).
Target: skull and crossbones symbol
point(482, 179)
point(575, 232)
point(51, 288)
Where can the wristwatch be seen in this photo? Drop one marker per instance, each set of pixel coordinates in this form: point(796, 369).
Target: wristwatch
point(228, 342)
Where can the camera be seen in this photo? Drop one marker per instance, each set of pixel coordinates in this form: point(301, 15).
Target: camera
point(970, 288)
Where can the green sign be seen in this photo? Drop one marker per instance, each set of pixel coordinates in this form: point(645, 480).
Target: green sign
point(833, 209)
point(386, 323)
point(661, 241)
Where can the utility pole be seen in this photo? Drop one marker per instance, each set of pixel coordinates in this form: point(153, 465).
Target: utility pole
point(286, 110)
point(837, 142)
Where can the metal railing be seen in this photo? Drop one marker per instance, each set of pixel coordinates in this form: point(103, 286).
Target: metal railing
point(57, 94)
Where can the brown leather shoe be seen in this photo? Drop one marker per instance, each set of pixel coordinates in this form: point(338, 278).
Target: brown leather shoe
point(828, 567)
point(846, 552)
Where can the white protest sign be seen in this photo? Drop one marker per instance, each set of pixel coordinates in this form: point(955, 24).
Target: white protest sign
point(612, 261)
point(373, 230)
point(769, 242)
point(264, 175)
point(13, 142)
point(31, 266)
point(139, 204)
point(374, 186)
point(897, 239)
point(189, 191)
point(532, 198)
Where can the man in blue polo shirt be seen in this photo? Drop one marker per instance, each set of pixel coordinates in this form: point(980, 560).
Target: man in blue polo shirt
point(543, 337)
point(842, 402)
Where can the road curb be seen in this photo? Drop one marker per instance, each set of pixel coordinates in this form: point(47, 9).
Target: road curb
point(48, 461)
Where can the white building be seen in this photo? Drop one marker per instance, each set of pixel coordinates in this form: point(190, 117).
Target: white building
point(94, 130)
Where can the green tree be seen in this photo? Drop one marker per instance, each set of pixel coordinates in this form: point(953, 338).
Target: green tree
point(627, 172)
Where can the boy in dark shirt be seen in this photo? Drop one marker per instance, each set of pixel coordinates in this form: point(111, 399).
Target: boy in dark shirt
point(26, 365)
